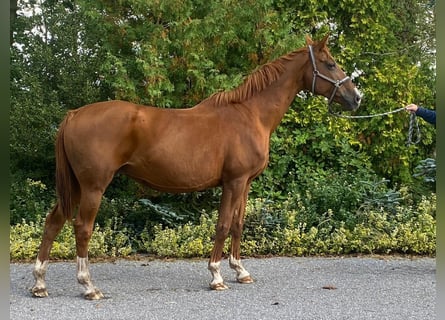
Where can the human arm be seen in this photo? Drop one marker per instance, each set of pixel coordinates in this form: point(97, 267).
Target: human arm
point(426, 114)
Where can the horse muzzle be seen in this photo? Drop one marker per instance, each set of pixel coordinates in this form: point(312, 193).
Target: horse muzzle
point(351, 101)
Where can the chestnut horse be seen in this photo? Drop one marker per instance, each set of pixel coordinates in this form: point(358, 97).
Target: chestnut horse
point(222, 141)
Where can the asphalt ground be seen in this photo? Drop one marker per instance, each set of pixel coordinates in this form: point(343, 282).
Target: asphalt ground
point(285, 288)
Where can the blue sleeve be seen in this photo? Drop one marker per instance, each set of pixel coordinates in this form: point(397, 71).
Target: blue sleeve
point(428, 115)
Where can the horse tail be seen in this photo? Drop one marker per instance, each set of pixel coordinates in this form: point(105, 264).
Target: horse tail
point(67, 185)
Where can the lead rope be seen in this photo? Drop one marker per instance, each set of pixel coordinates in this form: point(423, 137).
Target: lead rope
point(413, 123)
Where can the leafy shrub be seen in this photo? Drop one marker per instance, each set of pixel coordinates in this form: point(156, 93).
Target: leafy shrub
point(139, 209)
point(425, 173)
point(426, 170)
point(25, 238)
point(184, 241)
point(330, 213)
point(407, 230)
point(29, 199)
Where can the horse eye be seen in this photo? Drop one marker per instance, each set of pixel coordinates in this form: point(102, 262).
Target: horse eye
point(331, 65)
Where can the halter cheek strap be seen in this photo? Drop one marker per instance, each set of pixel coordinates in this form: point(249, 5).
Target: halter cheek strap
point(337, 83)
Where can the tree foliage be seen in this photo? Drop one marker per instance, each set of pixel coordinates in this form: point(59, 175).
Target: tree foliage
point(173, 54)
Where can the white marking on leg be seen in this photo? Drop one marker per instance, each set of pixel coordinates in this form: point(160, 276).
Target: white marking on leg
point(39, 272)
point(217, 282)
point(241, 274)
point(84, 278)
point(83, 274)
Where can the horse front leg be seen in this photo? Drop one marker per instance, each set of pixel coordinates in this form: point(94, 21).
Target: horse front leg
point(53, 224)
point(242, 275)
point(231, 200)
point(222, 231)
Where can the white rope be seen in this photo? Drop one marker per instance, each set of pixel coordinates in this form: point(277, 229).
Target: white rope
point(413, 123)
point(366, 116)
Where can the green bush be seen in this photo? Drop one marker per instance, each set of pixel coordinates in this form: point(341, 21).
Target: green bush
point(25, 238)
point(29, 199)
point(332, 213)
point(407, 230)
point(270, 229)
point(184, 241)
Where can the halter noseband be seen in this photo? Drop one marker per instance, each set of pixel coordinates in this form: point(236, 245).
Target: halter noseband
point(337, 83)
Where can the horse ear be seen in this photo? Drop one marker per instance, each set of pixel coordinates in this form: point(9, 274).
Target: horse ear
point(324, 40)
point(309, 40)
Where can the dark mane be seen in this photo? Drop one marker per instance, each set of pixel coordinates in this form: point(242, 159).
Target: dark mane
point(255, 82)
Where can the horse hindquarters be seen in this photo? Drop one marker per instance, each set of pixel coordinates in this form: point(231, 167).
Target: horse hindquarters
point(71, 194)
point(66, 191)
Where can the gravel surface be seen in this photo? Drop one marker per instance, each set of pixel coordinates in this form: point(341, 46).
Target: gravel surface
point(284, 288)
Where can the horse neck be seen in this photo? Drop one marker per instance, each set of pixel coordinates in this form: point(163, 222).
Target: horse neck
point(273, 102)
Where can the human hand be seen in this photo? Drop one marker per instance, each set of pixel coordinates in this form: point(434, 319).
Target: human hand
point(412, 108)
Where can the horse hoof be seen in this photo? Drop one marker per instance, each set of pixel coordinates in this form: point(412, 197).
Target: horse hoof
point(39, 292)
point(219, 286)
point(247, 279)
point(96, 294)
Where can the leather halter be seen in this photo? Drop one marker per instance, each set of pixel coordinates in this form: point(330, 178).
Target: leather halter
point(337, 83)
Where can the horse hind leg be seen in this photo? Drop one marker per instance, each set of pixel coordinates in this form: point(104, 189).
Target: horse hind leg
point(83, 228)
point(53, 224)
point(84, 278)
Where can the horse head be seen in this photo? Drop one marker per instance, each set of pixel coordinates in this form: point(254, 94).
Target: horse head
point(326, 78)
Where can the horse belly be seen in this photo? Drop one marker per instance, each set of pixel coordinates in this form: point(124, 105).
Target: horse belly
point(175, 172)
